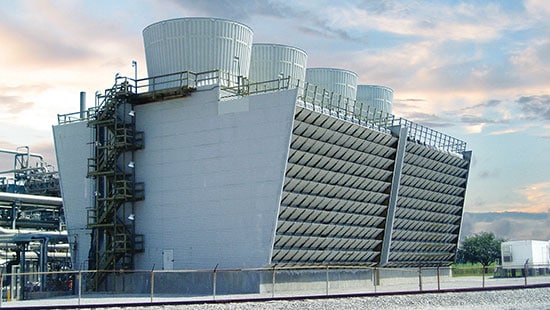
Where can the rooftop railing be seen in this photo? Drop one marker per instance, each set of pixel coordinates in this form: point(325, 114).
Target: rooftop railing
point(310, 96)
point(319, 99)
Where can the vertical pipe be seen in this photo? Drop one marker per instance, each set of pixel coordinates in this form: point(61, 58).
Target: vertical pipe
point(82, 104)
point(13, 214)
point(134, 64)
point(21, 292)
point(43, 263)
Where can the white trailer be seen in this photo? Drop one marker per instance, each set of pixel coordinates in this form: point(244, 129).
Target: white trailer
point(532, 256)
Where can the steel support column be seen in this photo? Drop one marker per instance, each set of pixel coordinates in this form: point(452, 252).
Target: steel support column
point(401, 133)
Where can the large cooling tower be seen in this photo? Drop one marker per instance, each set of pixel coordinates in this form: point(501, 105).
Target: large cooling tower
point(272, 61)
point(198, 45)
point(340, 81)
point(376, 96)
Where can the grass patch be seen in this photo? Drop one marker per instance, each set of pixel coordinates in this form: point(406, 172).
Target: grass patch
point(465, 270)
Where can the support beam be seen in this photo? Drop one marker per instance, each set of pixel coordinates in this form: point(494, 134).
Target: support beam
point(401, 134)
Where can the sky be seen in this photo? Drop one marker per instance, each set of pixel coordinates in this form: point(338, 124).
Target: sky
point(476, 70)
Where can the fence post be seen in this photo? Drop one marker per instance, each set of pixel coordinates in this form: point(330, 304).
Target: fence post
point(483, 276)
point(214, 284)
point(420, 278)
point(273, 282)
point(525, 271)
point(375, 278)
point(152, 283)
point(438, 279)
point(326, 288)
point(79, 286)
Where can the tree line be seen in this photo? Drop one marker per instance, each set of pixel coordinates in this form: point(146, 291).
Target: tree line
point(481, 248)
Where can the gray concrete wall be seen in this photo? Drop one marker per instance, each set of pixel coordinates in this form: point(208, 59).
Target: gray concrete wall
point(72, 150)
point(213, 173)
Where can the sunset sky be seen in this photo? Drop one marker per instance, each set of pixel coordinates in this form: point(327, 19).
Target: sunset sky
point(477, 70)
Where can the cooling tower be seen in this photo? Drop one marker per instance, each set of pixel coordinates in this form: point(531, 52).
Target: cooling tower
point(198, 45)
point(340, 81)
point(376, 96)
point(272, 61)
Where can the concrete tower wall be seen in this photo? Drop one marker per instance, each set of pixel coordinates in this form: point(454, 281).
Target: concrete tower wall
point(72, 152)
point(213, 173)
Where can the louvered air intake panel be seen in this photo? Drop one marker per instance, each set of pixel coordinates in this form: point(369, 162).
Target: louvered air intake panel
point(429, 207)
point(335, 193)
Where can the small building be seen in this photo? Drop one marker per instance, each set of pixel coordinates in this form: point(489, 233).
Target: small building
point(519, 256)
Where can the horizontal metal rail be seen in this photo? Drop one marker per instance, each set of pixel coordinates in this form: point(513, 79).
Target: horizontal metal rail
point(314, 282)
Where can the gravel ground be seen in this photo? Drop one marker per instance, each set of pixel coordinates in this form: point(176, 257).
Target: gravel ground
point(536, 298)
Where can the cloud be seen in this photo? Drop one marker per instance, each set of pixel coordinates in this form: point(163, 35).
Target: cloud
point(474, 129)
point(488, 174)
point(502, 116)
point(507, 131)
point(27, 42)
point(488, 104)
point(429, 120)
point(449, 47)
point(475, 120)
point(508, 225)
point(538, 9)
point(63, 35)
point(530, 61)
point(240, 10)
point(11, 105)
point(535, 107)
point(342, 20)
point(407, 104)
point(536, 198)
point(437, 21)
point(545, 134)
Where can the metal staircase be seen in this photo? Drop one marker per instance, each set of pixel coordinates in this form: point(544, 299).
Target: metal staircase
point(114, 241)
